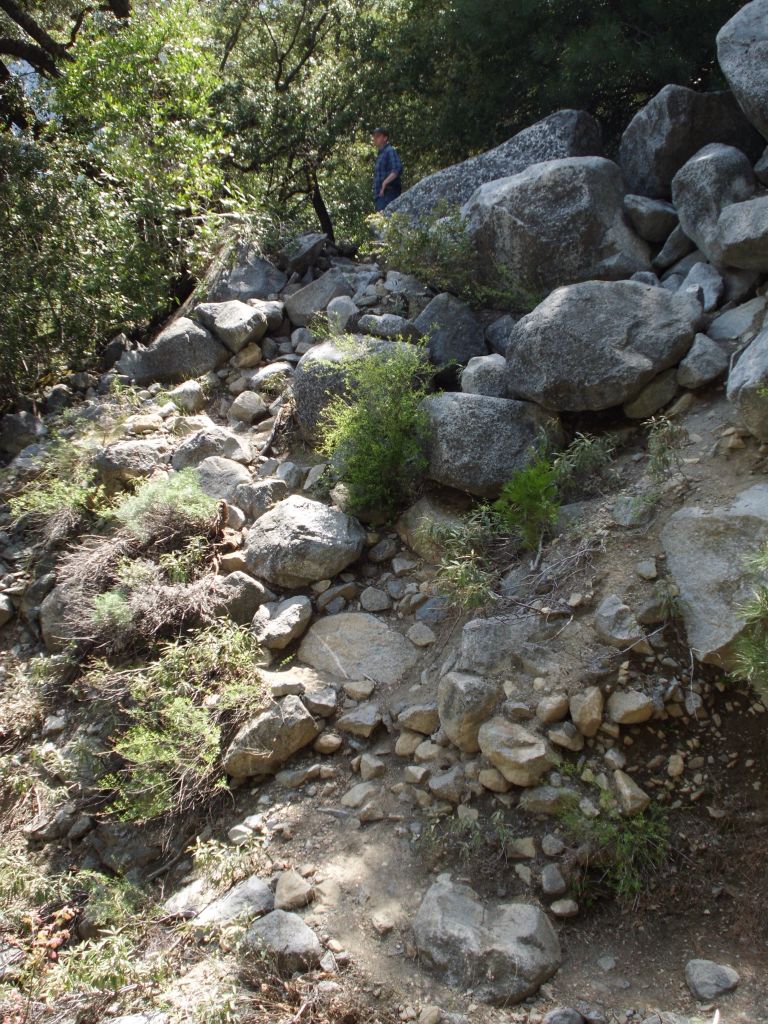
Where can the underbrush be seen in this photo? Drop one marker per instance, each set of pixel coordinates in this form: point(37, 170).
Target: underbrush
point(63, 496)
point(52, 969)
point(751, 647)
point(150, 577)
point(485, 844)
point(376, 433)
point(439, 251)
point(481, 547)
point(176, 717)
point(619, 856)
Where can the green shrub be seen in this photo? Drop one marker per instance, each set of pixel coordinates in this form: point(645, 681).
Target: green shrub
point(439, 251)
point(111, 610)
point(751, 647)
point(665, 440)
point(584, 465)
point(464, 574)
point(376, 434)
point(178, 716)
point(63, 494)
point(625, 854)
point(529, 505)
point(178, 496)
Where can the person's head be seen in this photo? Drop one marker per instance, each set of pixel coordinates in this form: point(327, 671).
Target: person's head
point(380, 137)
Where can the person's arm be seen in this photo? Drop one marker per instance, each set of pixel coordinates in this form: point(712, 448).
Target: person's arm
point(394, 174)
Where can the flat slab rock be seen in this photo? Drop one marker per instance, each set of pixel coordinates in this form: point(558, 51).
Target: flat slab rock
point(503, 951)
point(355, 645)
point(707, 551)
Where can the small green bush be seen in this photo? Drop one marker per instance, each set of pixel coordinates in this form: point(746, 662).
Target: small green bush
point(751, 647)
point(176, 496)
point(63, 494)
point(111, 610)
point(665, 440)
point(529, 504)
point(625, 854)
point(438, 251)
point(179, 714)
point(375, 435)
point(584, 466)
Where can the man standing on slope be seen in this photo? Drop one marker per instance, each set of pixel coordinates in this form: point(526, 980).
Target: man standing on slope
point(388, 171)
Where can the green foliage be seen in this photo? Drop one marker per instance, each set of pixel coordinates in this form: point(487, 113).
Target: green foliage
point(111, 610)
point(625, 854)
point(172, 753)
point(178, 495)
point(64, 491)
point(439, 251)
point(107, 206)
point(375, 434)
point(665, 440)
point(525, 514)
point(529, 505)
point(184, 565)
point(751, 646)
point(464, 574)
point(179, 713)
point(481, 843)
point(584, 466)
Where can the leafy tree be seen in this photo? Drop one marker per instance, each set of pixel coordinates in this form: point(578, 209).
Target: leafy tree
point(296, 95)
point(471, 73)
point(109, 204)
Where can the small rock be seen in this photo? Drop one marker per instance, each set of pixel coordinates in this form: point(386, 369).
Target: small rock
point(327, 743)
point(565, 909)
point(587, 710)
point(552, 881)
point(292, 891)
point(421, 635)
point(563, 1014)
point(374, 600)
point(708, 980)
point(632, 799)
point(629, 707)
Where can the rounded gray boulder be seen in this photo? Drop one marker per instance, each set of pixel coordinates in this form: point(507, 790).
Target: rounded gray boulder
point(596, 345)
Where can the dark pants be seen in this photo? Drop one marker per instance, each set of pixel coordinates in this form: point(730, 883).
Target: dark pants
point(382, 202)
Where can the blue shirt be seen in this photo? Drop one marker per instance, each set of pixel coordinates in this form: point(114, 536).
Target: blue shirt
point(386, 162)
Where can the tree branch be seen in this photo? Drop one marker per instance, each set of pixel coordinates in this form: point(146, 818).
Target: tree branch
point(34, 31)
point(34, 55)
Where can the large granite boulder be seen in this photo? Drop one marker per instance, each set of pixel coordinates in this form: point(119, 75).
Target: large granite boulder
point(183, 350)
point(453, 332)
point(742, 49)
point(747, 384)
point(742, 231)
point(265, 742)
point(314, 297)
point(300, 541)
point(595, 345)
point(502, 951)
point(671, 128)
point(708, 556)
point(554, 223)
point(245, 274)
point(234, 323)
point(125, 462)
point(211, 440)
point(712, 179)
point(355, 645)
point(563, 134)
point(476, 443)
point(220, 478)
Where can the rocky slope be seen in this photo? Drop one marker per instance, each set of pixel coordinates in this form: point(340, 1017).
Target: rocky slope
point(417, 808)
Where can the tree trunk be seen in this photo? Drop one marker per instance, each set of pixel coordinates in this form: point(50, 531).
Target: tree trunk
point(318, 204)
